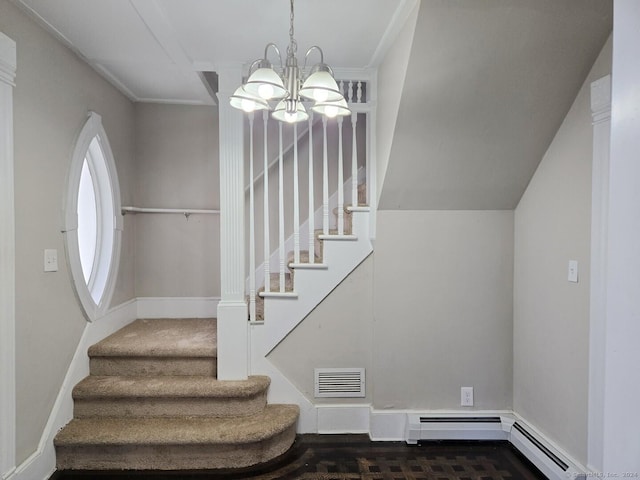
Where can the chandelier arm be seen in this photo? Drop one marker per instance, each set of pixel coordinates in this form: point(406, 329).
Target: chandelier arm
point(253, 66)
point(311, 49)
point(275, 47)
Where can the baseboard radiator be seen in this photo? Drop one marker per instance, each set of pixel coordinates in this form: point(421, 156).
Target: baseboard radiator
point(550, 462)
point(432, 427)
point(465, 427)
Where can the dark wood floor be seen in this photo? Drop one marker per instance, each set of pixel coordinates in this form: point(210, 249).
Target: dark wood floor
point(355, 457)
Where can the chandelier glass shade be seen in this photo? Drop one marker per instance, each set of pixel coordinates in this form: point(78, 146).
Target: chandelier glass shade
point(286, 91)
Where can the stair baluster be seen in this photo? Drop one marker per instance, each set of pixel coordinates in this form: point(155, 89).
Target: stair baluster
point(281, 249)
point(325, 180)
point(265, 211)
point(354, 160)
point(296, 199)
point(340, 180)
point(252, 229)
point(311, 219)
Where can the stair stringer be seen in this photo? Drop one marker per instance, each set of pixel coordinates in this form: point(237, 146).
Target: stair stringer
point(283, 314)
point(281, 389)
point(341, 256)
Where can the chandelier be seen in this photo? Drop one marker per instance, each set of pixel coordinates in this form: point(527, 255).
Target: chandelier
point(290, 87)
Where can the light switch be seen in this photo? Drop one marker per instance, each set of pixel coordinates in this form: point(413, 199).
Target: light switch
point(573, 271)
point(51, 260)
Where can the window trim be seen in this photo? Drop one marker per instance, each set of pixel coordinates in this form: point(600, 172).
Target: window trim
point(91, 129)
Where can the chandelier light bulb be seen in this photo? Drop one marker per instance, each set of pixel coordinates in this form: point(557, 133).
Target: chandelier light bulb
point(320, 96)
point(331, 111)
point(289, 117)
point(246, 102)
point(248, 105)
point(266, 91)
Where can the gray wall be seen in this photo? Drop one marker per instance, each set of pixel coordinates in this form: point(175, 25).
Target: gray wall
point(443, 308)
point(429, 312)
point(54, 92)
point(177, 167)
point(551, 315)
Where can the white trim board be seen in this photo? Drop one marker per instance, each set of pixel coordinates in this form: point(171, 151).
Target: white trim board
point(601, 120)
point(7, 260)
point(177, 307)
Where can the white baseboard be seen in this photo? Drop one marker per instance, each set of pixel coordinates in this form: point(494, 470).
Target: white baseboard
point(343, 418)
point(394, 425)
point(42, 463)
point(177, 307)
point(545, 454)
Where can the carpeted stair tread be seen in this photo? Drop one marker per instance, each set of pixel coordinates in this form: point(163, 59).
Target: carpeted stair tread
point(110, 431)
point(347, 219)
point(275, 282)
point(181, 386)
point(195, 337)
point(304, 257)
point(332, 231)
point(362, 194)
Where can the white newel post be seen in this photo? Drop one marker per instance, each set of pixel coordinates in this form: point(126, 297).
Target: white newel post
point(233, 327)
point(7, 261)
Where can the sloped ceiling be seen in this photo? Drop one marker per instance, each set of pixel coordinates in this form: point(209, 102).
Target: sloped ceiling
point(488, 85)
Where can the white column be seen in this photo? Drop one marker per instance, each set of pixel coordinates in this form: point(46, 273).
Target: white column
point(7, 261)
point(233, 363)
point(601, 117)
point(621, 445)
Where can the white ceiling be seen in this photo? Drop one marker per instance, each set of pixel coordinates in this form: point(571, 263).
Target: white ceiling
point(152, 50)
point(487, 86)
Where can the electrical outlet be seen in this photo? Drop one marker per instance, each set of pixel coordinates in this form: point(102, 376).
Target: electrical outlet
point(466, 396)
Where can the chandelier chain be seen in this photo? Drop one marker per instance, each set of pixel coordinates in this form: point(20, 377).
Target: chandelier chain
point(292, 49)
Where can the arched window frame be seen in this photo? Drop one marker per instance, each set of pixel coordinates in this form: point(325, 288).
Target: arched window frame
point(106, 188)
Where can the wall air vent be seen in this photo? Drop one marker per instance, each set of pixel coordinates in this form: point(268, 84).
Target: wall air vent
point(339, 382)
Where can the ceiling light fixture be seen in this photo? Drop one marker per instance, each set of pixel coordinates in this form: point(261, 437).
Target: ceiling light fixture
point(290, 88)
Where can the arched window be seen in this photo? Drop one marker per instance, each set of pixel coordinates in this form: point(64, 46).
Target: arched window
point(93, 222)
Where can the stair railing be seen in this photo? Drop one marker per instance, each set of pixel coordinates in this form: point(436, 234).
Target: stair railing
point(328, 137)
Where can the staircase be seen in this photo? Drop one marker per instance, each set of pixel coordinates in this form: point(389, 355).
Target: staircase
point(304, 258)
point(152, 402)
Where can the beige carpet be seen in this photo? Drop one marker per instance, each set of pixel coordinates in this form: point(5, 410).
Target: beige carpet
point(152, 402)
